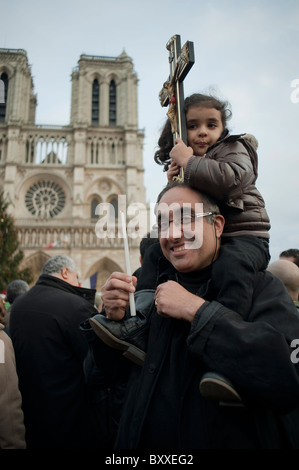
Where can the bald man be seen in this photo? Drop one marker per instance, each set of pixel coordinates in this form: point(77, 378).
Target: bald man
point(292, 254)
point(288, 273)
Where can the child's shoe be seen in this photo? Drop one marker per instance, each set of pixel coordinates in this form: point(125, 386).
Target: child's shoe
point(216, 387)
point(130, 334)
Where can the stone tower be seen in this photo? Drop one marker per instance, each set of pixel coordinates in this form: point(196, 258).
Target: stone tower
point(67, 184)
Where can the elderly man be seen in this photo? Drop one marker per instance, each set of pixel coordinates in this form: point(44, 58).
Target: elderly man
point(50, 351)
point(190, 333)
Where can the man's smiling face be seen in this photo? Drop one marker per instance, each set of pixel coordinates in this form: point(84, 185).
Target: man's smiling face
point(180, 244)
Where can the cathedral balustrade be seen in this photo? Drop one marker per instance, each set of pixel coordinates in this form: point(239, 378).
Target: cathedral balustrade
point(47, 146)
point(67, 238)
point(105, 151)
point(54, 145)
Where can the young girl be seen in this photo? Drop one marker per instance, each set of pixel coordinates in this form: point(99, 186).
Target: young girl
point(223, 166)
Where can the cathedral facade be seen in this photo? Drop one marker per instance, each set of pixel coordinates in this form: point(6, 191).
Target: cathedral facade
point(67, 185)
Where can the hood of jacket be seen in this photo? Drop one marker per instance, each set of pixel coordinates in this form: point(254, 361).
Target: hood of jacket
point(249, 142)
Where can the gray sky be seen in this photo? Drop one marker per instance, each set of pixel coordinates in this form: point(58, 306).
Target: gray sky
point(245, 52)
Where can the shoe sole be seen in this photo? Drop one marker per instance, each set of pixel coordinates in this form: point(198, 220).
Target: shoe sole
point(215, 389)
point(130, 351)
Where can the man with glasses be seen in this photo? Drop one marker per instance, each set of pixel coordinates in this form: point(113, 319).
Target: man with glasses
point(188, 333)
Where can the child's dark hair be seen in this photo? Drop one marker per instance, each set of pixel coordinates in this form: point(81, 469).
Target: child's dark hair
point(165, 141)
point(209, 101)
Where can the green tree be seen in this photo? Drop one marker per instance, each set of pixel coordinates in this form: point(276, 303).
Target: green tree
point(10, 254)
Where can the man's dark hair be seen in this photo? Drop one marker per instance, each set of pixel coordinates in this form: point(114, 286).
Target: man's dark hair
point(16, 288)
point(209, 203)
point(291, 253)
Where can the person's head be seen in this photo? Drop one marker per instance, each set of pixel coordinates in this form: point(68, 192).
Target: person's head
point(189, 227)
point(63, 267)
point(288, 273)
point(146, 241)
point(292, 254)
point(16, 288)
point(206, 120)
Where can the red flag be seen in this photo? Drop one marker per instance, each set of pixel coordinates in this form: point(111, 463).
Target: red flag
point(51, 245)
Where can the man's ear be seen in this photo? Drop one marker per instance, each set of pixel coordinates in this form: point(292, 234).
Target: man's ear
point(219, 222)
point(64, 273)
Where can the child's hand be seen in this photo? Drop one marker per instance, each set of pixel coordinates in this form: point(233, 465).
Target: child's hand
point(173, 170)
point(180, 153)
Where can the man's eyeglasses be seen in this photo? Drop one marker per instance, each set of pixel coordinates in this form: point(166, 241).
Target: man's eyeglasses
point(183, 221)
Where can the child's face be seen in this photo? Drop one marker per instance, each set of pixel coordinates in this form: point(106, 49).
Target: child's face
point(204, 127)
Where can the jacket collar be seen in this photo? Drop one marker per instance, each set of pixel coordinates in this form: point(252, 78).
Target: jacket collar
point(48, 280)
point(225, 136)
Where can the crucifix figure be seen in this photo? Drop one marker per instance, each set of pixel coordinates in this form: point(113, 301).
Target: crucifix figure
point(172, 93)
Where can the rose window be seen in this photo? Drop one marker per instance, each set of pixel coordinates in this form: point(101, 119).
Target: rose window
point(45, 199)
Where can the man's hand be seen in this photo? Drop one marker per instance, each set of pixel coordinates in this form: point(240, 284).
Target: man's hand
point(173, 300)
point(115, 294)
point(180, 153)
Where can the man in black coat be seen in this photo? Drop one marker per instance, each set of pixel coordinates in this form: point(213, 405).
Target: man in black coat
point(50, 351)
point(189, 333)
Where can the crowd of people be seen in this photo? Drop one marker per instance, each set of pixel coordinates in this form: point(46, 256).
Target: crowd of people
point(206, 361)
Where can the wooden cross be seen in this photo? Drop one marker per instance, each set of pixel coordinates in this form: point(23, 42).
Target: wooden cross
point(172, 93)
